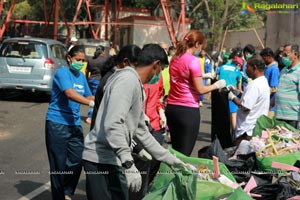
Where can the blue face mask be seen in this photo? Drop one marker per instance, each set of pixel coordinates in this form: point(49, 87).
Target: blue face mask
point(154, 79)
point(77, 66)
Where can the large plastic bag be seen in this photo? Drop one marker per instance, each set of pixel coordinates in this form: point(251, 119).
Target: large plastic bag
point(238, 193)
point(264, 163)
point(181, 187)
point(264, 122)
point(243, 163)
point(205, 190)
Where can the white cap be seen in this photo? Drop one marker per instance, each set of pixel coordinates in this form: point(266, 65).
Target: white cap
point(73, 39)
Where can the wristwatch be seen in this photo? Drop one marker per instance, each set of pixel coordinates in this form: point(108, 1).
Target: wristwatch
point(127, 164)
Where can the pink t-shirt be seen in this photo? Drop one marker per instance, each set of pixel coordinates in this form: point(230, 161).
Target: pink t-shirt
point(182, 71)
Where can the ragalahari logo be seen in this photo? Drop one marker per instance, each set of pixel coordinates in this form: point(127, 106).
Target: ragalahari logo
point(246, 8)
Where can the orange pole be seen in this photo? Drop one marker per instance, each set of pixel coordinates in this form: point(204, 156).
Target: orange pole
point(74, 18)
point(2, 30)
point(169, 22)
point(56, 15)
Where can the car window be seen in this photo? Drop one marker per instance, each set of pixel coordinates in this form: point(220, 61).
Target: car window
point(58, 51)
point(24, 49)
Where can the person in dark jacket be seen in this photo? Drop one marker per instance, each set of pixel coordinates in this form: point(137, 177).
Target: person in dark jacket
point(93, 73)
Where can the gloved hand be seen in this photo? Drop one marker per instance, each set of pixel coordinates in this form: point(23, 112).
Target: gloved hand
point(144, 155)
point(234, 90)
point(174, 162)
point(134, 179)
point(220, 84)
point(231, 96)
point(92, 103)
point(163, 118)
point(208, 76)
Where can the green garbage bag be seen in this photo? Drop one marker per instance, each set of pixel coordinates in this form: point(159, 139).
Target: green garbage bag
point(165, 187)
point(181, 187)
point(264, 122)
point(239, 193)
point(264, 163)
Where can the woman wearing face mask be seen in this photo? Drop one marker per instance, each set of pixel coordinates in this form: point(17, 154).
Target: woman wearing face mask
point(64, 134)
point(182, 111)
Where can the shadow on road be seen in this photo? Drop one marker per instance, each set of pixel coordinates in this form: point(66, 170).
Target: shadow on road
point(23, 96)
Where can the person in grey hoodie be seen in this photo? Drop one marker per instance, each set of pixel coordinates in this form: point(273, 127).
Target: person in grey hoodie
point(108, 163)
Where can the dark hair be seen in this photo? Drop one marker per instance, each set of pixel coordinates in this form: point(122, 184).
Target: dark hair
point(151, 53)
point(99, 50)
point(267, 52)
point(190, 40)
point(108, 65)
point(278, 58)
point(74, 50)
point(236, 52)
point(249, 48)
point(171, 48)
point(131, 52)
point(294, 47)
point(259, 63)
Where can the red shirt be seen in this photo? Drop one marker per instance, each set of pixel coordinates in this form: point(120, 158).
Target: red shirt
point(154, 95)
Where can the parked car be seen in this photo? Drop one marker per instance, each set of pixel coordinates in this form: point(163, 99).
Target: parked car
point(30, 63)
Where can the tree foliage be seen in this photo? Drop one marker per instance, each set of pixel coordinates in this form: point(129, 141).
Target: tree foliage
point(210, 16)
point(214, 16)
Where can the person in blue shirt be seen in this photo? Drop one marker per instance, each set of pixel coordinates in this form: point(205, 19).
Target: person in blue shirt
point(272, 74)
point(231, 73)
point(64, 133)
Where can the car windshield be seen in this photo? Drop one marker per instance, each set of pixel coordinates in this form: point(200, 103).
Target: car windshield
point(24, 49)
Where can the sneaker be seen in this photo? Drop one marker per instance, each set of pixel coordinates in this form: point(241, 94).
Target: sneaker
point(88, 120)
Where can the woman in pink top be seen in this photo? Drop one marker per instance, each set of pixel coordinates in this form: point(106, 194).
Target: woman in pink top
point(182, 111)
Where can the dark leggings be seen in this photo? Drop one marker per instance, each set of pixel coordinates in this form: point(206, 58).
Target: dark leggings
point(184, 124)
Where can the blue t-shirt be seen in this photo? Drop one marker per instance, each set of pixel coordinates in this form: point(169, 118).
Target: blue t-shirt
point(230, 73)
point(62, 109)
point(272, 74)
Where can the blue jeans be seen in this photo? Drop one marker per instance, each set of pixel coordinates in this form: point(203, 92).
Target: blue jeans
point(64, 147)
point(93, 84)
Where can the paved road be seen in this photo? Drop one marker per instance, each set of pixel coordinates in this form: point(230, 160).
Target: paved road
point(23, 160)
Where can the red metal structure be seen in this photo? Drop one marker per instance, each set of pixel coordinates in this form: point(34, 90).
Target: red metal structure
point(110, 16)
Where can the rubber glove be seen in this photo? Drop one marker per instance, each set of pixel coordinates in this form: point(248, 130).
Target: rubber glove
point(163, 118)
point(174, 161)
point(220, 84)
point(231, 96)
point(144, 155)
point(234, 90)
point(134, 179)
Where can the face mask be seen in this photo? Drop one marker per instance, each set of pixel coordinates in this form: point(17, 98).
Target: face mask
point(223, 52)
point(248, 56)
point(172, 54)
point(286, 61)
point(77, 66)
point(197, 53)
point(154, 79)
